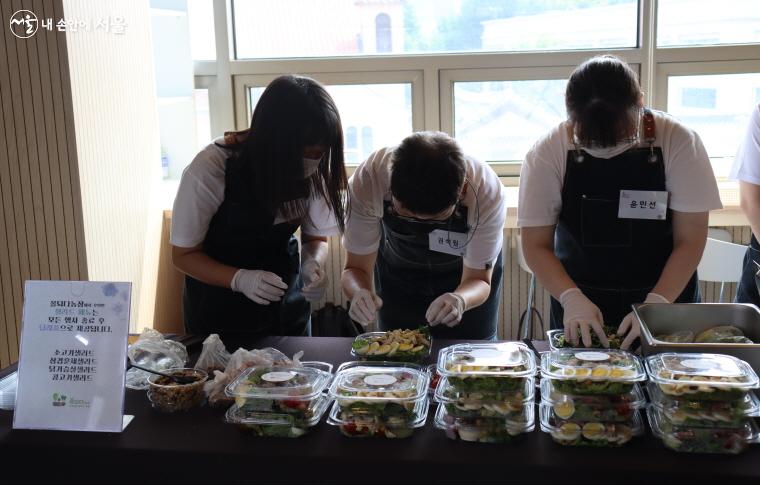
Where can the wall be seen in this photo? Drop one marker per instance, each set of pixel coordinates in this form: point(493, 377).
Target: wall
point(114, 100)
point(41, 225)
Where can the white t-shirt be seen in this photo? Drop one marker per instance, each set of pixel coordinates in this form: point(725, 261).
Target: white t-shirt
point(689, 178)
point(370, 186)
point(747, 162)
point(201, 192)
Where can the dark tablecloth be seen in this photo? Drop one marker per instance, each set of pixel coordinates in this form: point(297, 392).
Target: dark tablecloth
point(198, 447)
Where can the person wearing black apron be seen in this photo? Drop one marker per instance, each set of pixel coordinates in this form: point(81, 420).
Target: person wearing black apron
point(746, 170)
point(241, 201)
point(425, 228)
point(617, 240)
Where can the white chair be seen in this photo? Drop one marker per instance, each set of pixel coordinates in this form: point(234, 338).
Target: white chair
point(526, 318)
point(721, 263)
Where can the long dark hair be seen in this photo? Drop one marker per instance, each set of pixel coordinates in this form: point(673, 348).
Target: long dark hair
point(293, 112)
point(601, 100)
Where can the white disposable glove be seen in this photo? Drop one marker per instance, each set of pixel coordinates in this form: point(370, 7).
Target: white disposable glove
point(314, 280)
point(581, 316)
point(631, 326)
point(447, 309)
point(364, 307)
point(260, 286)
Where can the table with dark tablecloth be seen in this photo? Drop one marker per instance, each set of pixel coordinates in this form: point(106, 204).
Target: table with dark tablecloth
point(198, 447)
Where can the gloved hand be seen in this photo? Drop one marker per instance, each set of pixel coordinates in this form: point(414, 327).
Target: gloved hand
point(364, 307)
point(631, 326)
point(581, 316)
point(260, 286)
point(314, 280)
point(446, 309)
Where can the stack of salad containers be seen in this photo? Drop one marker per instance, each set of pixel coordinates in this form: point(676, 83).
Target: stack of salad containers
point(702, 403)
point(486, 392)
point(279, 401)
point(591, 398)
point(383, 399)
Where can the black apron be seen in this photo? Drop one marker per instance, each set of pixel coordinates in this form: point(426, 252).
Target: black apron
point(409, 276)
point(242, 234)
point(747, 290)
point(614, 262)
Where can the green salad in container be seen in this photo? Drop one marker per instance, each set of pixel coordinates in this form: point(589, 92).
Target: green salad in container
point(485, 430)
point(592, 372)
point(614, 408)
point(558, 340)
point(489, 368)
point(575, 432)
point(702, 439)
point(394, 346)
point(702, 377)
point(508, 405)
point(703, 414)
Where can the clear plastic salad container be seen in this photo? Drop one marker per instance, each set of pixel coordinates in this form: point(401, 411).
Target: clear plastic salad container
point(291, 391)
point(394, 345)
point(508, 405)
point(279, 425)
point(573, 432)
point(702, 440)
point(557, 339)
point(485, 430)
point(592, 372)
point(702, 377)
point(370, 399)
point(488, 367)
point(382, 419)
point(614, 408)
point(682, 411)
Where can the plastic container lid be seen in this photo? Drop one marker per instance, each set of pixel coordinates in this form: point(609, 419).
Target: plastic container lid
point(279, 382)
point(420, 412)
point(634, 399)
point(477, 429)
point(381, 381)
point(592, 365)
point(445, 393)
point(613, 433)
point(712, 370)
point(236, 415)
point(505, 359)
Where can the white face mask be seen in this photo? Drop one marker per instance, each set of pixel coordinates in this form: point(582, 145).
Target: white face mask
point(310, 165)
point(613, 151)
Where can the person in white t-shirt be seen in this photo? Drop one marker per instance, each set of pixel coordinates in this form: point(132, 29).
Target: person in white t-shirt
point(239, 203)
point(424, 239)
point(746, 170)
point(613, 205)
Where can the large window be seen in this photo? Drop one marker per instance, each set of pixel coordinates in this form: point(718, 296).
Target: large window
point(490, 72)
point(322, 28)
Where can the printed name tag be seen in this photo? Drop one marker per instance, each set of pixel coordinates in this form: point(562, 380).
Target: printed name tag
point(643, 204)
point(448, 242)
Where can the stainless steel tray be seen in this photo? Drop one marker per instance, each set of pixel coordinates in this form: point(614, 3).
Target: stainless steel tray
point(662, 318)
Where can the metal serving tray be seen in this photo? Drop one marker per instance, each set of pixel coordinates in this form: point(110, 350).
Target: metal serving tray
point(668, 318)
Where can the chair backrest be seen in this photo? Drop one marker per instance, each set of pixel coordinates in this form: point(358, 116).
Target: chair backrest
point(721, 261)
point(521, 257)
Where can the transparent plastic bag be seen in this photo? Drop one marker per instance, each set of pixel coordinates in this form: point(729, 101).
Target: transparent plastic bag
point(214, 356)
point(722, 334)
point(153, 351)
point(682, 337)
point(241, 360)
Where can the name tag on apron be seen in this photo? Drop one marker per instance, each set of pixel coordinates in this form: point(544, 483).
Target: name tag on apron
point(643, 204)
point(448, 242)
